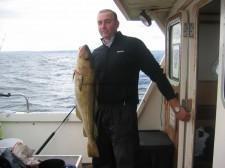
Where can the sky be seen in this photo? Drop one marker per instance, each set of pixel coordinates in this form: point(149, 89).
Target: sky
point(37, 25)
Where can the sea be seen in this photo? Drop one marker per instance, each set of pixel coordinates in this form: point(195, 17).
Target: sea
point(44, 78)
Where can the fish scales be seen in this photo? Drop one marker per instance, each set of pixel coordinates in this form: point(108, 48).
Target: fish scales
point(84, 85)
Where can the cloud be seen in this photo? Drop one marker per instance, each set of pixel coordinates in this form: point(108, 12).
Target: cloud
point(60, 24)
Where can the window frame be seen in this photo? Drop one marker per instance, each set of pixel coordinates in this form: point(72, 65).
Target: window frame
point(174, 55)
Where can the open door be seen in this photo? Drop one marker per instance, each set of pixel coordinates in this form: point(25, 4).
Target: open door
point(192, 58)
point(176, 71)
point(206, 83)
point(219, 141)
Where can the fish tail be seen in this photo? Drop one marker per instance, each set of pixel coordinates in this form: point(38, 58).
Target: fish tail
point(92, 149)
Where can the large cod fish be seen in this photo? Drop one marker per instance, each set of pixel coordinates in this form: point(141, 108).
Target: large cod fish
point(85, 97)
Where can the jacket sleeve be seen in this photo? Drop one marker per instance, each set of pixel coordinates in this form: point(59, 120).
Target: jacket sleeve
point(151, 67)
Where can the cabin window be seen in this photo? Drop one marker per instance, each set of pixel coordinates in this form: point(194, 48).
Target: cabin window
point(174, 50)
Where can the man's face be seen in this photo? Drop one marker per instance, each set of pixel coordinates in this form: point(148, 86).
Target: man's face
point(107, 25)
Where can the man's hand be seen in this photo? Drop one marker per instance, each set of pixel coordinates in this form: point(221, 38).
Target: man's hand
point(180, 112)
point(183, 115)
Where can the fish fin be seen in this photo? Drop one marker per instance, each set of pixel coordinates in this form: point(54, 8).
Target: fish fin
point(81, 82)
point(78, 114)
point(92, 149)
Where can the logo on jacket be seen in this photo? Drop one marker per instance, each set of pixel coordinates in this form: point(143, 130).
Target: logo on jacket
point(120, 51)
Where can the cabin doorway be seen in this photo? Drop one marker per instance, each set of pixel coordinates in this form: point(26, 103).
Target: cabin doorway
point(206, 83)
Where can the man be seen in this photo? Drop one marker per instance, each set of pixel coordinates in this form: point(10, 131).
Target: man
point(117, 64)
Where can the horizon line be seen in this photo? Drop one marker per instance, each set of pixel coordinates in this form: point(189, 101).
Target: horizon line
point(66, 50)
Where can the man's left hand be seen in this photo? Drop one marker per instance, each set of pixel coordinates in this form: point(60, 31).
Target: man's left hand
point(183, 115)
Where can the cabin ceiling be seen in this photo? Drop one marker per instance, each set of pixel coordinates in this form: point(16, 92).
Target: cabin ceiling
point(132, 8)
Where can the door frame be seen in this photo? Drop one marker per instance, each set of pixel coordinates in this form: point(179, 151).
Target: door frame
point(178, 85)
point(188, 80)
point(187, 129)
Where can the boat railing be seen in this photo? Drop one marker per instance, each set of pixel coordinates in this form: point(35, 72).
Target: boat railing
point(148, 91)
point(26, 99)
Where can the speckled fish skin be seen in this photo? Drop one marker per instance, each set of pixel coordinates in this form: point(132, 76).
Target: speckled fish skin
point(85, 97)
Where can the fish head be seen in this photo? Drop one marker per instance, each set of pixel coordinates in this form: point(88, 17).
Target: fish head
point(84, 53)
point(83, 63)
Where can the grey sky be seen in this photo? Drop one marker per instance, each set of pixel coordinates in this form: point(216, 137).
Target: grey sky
point(63, 25)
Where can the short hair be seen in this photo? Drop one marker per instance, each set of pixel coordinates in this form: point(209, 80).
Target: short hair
point(111, 11)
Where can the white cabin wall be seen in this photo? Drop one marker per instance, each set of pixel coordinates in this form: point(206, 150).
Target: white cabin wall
point(219, 141)
point(68, 140)
point(151, 114)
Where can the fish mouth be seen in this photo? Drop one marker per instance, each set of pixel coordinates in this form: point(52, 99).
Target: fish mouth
point(87, 49)
point(85, 52)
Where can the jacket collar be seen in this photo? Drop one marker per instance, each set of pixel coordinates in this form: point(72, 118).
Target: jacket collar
point(111, 41)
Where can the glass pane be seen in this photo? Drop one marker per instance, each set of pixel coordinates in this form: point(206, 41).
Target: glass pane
point(176, 33)
point(175, 61)
point(174, 51)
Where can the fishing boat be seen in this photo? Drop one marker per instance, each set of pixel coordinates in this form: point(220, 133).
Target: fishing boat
point(194, 63)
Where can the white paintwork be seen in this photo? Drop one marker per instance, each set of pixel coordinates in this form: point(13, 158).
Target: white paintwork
point(35, 128)
point(183, 85)
point(219, 141)
point(150, 111)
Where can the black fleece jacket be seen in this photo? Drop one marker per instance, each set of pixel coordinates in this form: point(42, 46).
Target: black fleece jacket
point(117, 70)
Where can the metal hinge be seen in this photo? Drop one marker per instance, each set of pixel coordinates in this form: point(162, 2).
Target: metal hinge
point(188, 30)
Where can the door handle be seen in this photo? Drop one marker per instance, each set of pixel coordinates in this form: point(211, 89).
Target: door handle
point(187, 104)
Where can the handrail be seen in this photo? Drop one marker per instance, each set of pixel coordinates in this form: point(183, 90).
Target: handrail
point(9, 95)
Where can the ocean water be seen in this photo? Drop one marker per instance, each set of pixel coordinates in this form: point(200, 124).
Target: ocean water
point(45, 78)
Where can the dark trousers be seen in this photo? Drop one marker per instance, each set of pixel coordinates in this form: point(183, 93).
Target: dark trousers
point(117, 139)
